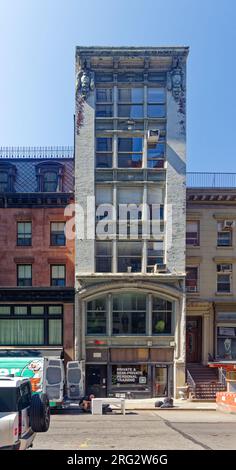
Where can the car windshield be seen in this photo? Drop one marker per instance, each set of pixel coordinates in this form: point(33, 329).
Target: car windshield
point(8, 399)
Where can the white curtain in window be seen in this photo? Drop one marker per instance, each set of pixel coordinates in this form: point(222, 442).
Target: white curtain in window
point(55, 332)
point(58, 272)
point(25, 332)
point(57, 226)
point(192, 227)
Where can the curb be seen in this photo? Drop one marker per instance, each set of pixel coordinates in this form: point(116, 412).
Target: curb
point(174, 408)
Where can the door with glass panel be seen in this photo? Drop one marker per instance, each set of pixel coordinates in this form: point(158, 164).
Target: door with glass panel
point(193, 339)
point(160, 381)
point(96, 380)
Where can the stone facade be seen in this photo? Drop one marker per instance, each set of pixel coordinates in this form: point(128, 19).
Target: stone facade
point(156, 74)
point(214, 255)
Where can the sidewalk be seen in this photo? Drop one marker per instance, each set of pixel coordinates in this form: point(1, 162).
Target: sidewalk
point(149, 404)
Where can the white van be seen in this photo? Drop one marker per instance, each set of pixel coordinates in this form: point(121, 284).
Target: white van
point(46, 375)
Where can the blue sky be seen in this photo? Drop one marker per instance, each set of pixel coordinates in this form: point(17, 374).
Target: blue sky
point(37, 50)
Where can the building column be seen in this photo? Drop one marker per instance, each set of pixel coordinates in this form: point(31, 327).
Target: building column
point(77, 331)
point(180, 349)
point(115, 228)
point(144, 228)
point(205, 337)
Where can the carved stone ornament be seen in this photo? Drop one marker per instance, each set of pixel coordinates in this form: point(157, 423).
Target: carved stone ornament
point(175, 79)
point(84, 82)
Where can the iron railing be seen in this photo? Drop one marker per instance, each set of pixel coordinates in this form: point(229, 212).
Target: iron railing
point(191, 382)
point(222, 376)
point(36, 152)
point(211, 180)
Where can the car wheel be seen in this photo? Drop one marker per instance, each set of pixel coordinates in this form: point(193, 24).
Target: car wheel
point(40, 413)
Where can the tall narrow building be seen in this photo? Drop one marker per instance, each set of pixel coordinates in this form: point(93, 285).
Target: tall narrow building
point(130, 193)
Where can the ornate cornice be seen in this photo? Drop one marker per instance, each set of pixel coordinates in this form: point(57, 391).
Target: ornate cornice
point(133, 51)
point(35, 200)
point(33, 294)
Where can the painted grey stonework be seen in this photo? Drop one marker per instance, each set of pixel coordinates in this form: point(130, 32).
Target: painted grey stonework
point(169, 284)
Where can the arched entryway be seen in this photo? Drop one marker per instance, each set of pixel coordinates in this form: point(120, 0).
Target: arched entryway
point(129, 342)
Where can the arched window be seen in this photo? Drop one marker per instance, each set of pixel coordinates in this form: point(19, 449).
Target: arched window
point(7, 177)
point(50, 177)
point(130, 313)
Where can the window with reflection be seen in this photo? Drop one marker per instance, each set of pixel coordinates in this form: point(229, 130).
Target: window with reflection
point(104, 95)
point(103, 256)
point(156, 100)
point(156, 95)
point(96, 316)
point(130, 95)
point(24, 275)
point(156, 155)
point(161, 316)
point(129, 314)
point(104, 110)
point(103, 152)
point(104, 144)
point(129, 256)
point(24, 233)
point(134, 111)
point(155, 254)
point(130, 152)
point(58, 275)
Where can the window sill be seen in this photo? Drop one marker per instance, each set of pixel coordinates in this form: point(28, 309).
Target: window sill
point(224, 247)
point(194, 294)
point(228, 294)
point(57, 246)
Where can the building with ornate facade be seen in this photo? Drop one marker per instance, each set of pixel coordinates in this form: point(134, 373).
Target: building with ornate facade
point(211, 276)
point(130, 150)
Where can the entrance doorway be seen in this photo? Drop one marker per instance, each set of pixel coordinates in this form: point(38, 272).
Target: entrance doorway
point(160, 381)
point(96, 380)
point(194, 339)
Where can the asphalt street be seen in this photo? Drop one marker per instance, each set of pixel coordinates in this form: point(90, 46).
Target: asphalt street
point(166, 429)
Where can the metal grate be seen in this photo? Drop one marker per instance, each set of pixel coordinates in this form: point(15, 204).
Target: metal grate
point(36, 152)
point(211, 180)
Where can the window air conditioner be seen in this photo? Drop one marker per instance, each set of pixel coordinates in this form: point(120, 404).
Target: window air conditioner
point(153, 137)
point(228, 224)
point(225, 268)
point(129, 269)
point(158, 268)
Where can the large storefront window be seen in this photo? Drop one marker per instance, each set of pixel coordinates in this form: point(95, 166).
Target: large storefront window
point(129, 313)
point(129, 375)
point(226, 335)
point(27, 325)
point(226, 342)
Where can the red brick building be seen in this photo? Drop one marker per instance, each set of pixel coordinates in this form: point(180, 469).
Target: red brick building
point(36, 259)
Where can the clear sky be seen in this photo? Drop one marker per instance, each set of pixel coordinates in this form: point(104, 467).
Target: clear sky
point(37, 50)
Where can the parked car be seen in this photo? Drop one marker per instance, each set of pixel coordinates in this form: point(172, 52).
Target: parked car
point(22, 414)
